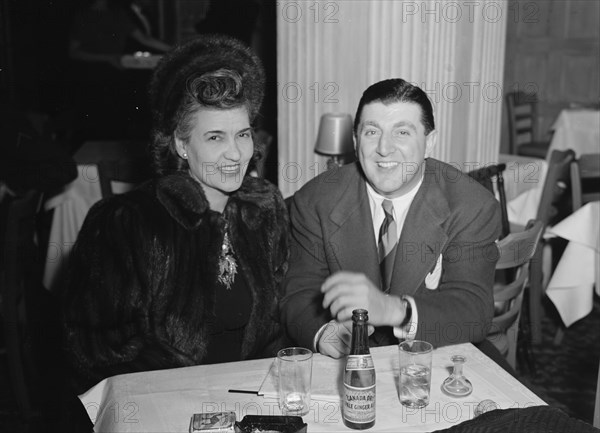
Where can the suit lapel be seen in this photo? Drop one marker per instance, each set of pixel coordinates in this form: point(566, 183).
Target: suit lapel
point(422, 238)
point(354, 246)
point(352, 238)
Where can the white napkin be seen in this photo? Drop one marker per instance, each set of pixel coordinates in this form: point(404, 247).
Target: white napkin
point(326, 383)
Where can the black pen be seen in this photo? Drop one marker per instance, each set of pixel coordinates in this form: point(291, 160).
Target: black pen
point(243, 391)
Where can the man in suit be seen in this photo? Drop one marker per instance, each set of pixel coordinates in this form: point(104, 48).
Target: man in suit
point(427, 273)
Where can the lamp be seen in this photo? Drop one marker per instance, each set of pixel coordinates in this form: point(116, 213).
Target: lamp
point(335, 138)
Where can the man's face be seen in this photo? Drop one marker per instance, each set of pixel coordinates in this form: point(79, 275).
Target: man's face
point(391, 145)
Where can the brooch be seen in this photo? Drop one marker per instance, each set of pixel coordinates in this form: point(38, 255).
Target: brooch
point(227, 264)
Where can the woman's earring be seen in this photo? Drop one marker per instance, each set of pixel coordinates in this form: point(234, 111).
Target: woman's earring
point(184, 156)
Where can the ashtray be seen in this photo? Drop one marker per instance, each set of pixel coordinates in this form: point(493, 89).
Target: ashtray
point(270, 424)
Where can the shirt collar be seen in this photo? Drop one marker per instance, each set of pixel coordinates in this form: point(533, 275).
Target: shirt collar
point(403, 200)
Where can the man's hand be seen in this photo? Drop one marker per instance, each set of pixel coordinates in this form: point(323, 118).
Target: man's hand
point(336, 339)
point(346, 291)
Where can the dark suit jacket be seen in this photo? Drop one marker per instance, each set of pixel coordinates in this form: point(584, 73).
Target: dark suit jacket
point(451, 215)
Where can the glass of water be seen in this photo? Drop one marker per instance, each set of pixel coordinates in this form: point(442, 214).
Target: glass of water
point(294, 366)
point(415, 373)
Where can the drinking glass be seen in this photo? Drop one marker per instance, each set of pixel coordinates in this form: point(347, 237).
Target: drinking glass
point(294, 366)
point(415, 373)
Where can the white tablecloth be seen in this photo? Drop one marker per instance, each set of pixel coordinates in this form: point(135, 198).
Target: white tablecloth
point(164, 401)
point(523, 179)
point(70, 208)
point(577, 129)
point(571, 286)
point(72, 204)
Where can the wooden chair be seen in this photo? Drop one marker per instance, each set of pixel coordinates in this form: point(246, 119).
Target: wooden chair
point(131, 171)
point(20, 270)
point(485, 176)
point(522, 123)
point(555, 204)
point(516, 251)
point(585, 179)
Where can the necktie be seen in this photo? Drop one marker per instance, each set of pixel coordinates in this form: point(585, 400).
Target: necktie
point(388, 240)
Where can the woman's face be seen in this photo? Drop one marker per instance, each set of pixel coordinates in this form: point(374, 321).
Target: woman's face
point(218, 151)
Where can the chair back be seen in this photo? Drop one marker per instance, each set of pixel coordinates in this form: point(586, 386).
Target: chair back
point(130, 171)
point(585, 179)
point(516, 251)
point(19, 273)
point(522, 124)
point(486, 176)
point(556, 189)
point(555, 204)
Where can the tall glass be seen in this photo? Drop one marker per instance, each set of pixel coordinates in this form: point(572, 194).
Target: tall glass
point(415, 373)
point(294, 366)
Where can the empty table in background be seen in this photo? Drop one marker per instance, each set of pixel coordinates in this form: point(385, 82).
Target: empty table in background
point(577, 129)
point(523, 181)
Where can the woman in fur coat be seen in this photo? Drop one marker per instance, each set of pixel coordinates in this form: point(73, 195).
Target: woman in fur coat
point(185, 269)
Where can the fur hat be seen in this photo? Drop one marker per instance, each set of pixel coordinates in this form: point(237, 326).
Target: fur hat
point(194, 58)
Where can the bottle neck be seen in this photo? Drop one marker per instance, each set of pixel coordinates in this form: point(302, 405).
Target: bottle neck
point(458, 369)
point(360, 338)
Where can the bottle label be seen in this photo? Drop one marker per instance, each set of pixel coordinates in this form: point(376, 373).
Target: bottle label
point(359, 404)
point(359, 362)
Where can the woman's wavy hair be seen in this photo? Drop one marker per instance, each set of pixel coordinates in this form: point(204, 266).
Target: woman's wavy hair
point(210, 71)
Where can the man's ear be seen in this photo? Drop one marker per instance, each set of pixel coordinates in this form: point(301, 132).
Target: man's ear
point(430, 142)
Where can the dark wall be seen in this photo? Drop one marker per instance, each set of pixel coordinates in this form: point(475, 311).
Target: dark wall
point(35, 51)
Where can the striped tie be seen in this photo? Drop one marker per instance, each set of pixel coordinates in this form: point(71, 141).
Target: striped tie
point(388, 240)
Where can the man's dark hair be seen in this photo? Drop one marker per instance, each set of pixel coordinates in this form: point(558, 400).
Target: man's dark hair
point(397, 90)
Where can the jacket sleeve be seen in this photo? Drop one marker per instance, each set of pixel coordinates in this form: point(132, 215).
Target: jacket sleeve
point(280, 239)
point(113, 275)
point(461, 308)
point(301, 307)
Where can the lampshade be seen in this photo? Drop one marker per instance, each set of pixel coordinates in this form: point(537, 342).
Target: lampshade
point(335, 134)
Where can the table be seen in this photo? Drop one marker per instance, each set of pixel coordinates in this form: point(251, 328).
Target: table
point(523, 184)
point(72, 203)
point(577, 129)
point(571, 285)
point(165, 400)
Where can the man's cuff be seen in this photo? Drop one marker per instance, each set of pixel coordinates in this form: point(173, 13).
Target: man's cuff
point(318, 337)
point(408, 330)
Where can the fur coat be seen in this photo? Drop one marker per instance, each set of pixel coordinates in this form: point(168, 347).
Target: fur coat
point(142, 276)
